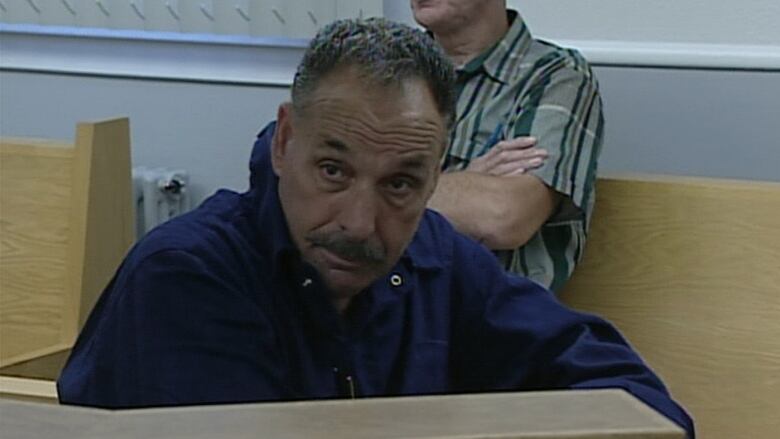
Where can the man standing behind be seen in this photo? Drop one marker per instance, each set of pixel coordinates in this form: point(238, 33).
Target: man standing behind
point(529, 197)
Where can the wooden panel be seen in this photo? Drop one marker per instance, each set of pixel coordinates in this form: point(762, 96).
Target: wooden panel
point(28, 390)
point(65, 224)
point(595, 414)
point(105, 228)
point(45, 366)
point(689, 270)
point(35, 201)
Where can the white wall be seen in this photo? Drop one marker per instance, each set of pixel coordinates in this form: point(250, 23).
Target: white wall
point(729, 22)
point(667, 33)
point(713, 123)
point(398, 10)
point(207, 129)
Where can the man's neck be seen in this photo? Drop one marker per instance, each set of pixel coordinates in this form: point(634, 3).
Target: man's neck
point(341, 305)
point(462, 44)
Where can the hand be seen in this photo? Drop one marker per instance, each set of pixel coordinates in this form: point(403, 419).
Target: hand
point(510, 157)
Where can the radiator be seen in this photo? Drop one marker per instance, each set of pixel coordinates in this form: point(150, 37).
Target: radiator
point(160, 194)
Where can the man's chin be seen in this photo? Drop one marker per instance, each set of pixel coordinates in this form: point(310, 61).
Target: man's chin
point(345, 284)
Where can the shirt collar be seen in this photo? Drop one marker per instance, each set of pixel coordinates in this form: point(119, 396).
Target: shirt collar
point(272, 225)
point(514, 44)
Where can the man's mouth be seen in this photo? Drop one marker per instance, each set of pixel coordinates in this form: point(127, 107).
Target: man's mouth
point(338, 262)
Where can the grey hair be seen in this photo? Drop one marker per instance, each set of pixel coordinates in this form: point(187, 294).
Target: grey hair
point(387, 53)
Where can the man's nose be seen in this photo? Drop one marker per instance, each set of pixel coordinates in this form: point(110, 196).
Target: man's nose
point(358, 215)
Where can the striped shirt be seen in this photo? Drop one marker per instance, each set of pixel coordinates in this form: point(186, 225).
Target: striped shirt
point(526, 87)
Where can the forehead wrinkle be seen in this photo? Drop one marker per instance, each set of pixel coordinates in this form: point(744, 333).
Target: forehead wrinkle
point(413, 133)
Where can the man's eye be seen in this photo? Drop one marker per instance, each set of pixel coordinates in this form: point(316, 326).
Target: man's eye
point(400, 186)
point(332, 172)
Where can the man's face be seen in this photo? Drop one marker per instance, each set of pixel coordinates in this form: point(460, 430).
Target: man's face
point(355, 171)
point(442, 15)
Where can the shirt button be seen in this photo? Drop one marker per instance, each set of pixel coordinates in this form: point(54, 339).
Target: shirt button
point(396, 280)
point(306, 282)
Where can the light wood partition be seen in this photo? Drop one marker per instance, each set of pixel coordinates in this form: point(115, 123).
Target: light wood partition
point(27, 389)
point(575, 414)
point(65, 224)
point(689, 270)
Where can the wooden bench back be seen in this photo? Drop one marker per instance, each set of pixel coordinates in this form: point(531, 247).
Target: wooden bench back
point(689, 270)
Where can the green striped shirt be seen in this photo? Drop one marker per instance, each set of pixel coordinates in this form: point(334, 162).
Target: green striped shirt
point(527, 87)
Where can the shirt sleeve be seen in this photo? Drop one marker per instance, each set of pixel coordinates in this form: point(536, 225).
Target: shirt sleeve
point(563, 110)
point(518, 336)
point(172, 330)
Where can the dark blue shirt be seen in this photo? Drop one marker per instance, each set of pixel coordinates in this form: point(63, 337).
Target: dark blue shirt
point(216, 306)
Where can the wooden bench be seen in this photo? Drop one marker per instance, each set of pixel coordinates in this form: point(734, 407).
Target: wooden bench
point(689, 270)
point(65, 224)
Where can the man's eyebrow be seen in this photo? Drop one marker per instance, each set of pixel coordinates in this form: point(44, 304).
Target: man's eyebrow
point(415, 163)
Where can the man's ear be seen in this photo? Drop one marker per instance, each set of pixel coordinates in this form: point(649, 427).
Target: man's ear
point(282, 136)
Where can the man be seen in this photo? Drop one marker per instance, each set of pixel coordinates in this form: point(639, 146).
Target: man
point(528, 197)
point(329, 278)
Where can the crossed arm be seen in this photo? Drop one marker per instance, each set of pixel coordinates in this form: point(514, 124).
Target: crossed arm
point(494, 200)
